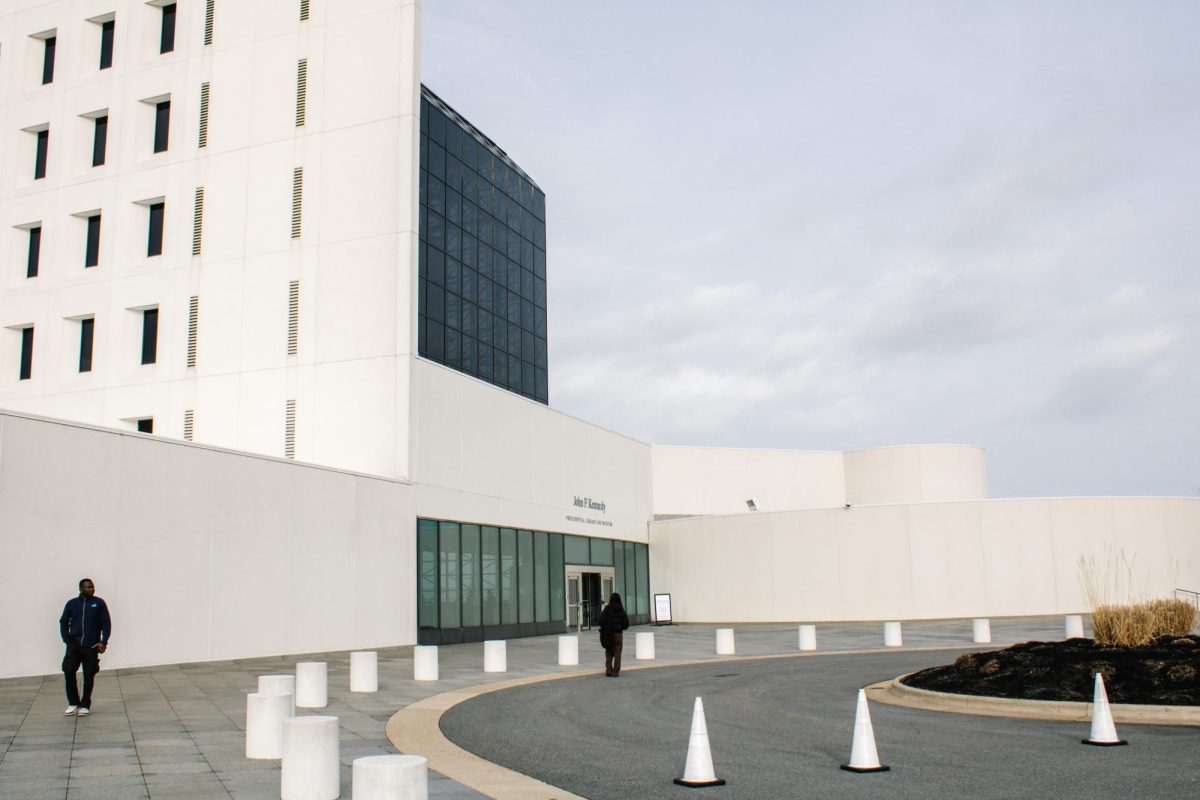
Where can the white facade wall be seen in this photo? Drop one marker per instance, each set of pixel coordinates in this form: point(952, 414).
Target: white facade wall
point(924, 560)
point(483, 454)
point(201, 554)
point(355, 258)
point(916, 474)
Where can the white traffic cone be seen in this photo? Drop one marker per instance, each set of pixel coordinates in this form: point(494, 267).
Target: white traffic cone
point(698, 770)
point(863, 755)
point(1104, 731)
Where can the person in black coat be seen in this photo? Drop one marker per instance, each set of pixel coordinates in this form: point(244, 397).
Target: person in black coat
point(85, 627)
point(613, 622)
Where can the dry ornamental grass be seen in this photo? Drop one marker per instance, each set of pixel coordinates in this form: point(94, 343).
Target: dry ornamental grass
point(1136, 624)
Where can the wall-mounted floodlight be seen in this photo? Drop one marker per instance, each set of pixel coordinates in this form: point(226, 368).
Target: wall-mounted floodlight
point(752, 504)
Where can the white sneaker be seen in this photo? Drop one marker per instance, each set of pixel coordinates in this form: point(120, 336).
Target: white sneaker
point(70, 710)
point(84, 711)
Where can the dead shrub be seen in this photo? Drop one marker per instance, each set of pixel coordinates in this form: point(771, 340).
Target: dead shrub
point(966, 662)
point(1136, 624)
point(1181, 673)
point(990, 667)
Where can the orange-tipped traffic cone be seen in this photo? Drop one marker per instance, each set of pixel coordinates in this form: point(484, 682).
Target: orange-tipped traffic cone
point(863, 755)
point(1104, 730)
point(698, 770)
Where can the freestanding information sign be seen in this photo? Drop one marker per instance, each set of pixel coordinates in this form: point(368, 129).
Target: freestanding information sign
point(662, 609)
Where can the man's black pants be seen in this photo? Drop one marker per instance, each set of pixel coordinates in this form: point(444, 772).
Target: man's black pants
point(89, 657)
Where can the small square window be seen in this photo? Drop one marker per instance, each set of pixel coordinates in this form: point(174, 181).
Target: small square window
point(154, 240)
point(100, 141)
point(35, 252)
point(149, 336)
point(39, 158)
point(91, 255)
point(162, 125)
point(107, 32)
point(87, 330)
point(145, 425)
point(51, 45)
point(167, 40)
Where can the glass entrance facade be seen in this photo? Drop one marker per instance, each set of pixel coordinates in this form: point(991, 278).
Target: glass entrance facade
point(477, 582)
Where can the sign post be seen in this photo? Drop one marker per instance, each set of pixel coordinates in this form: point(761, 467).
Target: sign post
point(662, 609)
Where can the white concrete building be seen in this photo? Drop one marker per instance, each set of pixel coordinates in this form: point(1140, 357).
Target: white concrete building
point(246, 228)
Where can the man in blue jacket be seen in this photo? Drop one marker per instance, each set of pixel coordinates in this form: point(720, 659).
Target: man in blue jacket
point(85, 627)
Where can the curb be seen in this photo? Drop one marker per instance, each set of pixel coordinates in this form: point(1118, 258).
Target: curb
point(896, 693)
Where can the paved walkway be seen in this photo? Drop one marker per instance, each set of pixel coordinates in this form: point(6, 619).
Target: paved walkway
point(177, 732)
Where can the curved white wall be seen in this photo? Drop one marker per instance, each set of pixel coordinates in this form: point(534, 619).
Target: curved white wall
point(915, 474)
point(928, 560)
point(719, 480)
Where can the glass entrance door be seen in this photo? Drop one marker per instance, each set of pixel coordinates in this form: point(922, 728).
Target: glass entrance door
point(588, 589)
point(574, 601)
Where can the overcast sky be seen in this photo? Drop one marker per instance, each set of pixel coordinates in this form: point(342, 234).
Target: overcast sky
point(844, 225)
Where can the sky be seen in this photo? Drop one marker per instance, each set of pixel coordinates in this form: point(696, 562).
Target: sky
point(833, 226)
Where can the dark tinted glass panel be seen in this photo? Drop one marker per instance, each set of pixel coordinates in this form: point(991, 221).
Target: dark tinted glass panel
point(490, 574)
point(643, 578)
point(557, 600)
point(508, 576)
point(51, 45)
point(100, 141)
point(427, 572)
point(145, 425)
point(35, 252)
point(541, 577)
point(150, 336)
point(479, 223)
point(39, 157)
point(91, 255)
point(162, 125)
point(576, 550)
point(449, 602)
point(87, 330)
point(525, 575)
point(470, 576)
point(26, 369)
point(106, 44)
point(154, 241)
point(602, 552)
point(167, 40)
point(619, 569)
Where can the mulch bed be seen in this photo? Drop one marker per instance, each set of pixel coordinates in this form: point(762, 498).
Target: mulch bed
point(1164, 672)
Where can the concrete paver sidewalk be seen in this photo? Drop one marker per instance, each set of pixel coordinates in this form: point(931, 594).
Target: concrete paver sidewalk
point(177, 732)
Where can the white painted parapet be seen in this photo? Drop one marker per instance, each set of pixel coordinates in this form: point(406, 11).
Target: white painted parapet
point(312, 684)
point(425, 662)
point(1074, 626)
point(364, 671)
point(310, 759)
point(568, 651)
point(892, 635)
point(265, 714)
point(981, 631)
point(725, 645)
point(279, 684)
point(495, 655)
point(390, 778)
point(808, 637)
point(645, 646)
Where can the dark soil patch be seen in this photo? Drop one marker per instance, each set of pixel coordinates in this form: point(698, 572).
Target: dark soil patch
point(1164, 672)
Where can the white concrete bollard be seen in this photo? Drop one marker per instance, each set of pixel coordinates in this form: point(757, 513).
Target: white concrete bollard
point(568, 651)
point(425, 662)
point(981, 631)
point(644, 646)
point(1074, 626)
point(265, 714)
point(808, 637)
point(725, 646)
point(892, 636)
point(310, 759)
point(389, 778)
point(279, 684)
point(312, 684)
point(495, 655)
point(364, 671)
